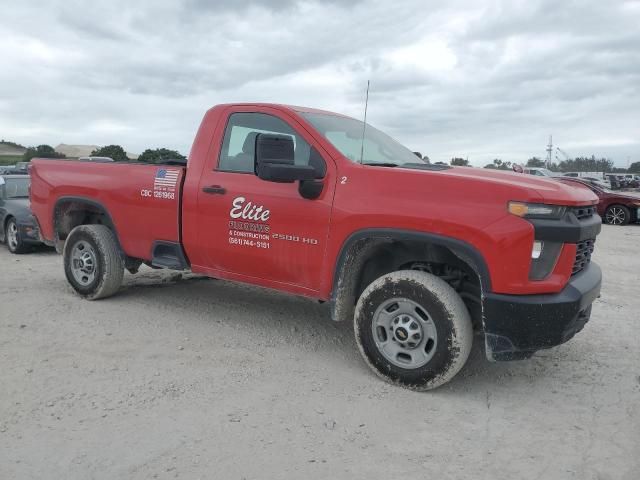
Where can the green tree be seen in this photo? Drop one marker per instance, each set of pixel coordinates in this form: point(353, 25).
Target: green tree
point(459, 162)
point(41, 151)
point(499, 165)
point(586, 164)
point(535, 162)
point(634, 167)
point(116, 152)
point(160, 155)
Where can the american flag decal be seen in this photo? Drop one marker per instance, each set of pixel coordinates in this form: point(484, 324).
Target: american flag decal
point(166, 179)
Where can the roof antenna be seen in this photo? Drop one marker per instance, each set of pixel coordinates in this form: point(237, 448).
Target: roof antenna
point(364, 125)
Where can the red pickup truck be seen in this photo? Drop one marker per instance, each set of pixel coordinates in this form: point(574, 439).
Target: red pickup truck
point(317, 204)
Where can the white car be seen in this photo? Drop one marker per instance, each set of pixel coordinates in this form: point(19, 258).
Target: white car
point(540, 172)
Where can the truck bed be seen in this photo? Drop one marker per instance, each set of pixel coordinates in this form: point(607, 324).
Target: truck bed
point(142, 200)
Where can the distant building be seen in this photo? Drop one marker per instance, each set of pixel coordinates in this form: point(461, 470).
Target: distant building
point(75, 151)
point(11, 149)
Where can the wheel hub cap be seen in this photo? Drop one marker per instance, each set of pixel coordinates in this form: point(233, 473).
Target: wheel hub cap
point(404, 333)
point(83, 263)
point(406, 330)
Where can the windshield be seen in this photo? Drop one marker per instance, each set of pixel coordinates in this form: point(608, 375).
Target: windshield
point(345, 134)
point(16, 187)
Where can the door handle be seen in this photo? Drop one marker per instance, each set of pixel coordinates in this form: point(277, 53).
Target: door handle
point(214, 190)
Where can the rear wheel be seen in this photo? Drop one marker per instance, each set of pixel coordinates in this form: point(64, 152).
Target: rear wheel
point(413, 329)
point(92, 261)
point(12, 237)
point(617, 215)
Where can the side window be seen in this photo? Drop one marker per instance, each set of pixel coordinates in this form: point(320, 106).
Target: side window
point(238, 146)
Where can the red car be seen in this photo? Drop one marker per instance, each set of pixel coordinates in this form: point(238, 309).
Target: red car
point(615, 208)
point(312, 203)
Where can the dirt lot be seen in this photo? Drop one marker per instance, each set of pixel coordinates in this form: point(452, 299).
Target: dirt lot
point(181, 377)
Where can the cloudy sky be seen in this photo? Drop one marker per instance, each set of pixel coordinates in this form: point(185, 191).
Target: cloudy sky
point(477, 79)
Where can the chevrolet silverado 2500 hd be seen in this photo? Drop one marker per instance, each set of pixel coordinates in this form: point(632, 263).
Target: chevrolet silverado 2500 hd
point(418, 256)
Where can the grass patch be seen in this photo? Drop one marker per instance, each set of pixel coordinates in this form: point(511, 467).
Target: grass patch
point(10, 159)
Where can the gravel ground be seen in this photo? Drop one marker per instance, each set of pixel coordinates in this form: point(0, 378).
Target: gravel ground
point(183, 377)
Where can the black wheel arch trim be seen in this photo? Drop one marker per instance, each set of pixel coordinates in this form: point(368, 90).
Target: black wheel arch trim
point(94, 203)
point(463, 250)
point(457, 246)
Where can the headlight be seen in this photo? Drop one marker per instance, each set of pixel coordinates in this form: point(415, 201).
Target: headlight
point(536, 210)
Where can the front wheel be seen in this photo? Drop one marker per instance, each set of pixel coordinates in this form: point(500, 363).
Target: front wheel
point(617, 215)
point(93, 264)
point(413, 329)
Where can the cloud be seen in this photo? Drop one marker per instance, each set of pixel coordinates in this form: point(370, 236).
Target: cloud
point(458, 78)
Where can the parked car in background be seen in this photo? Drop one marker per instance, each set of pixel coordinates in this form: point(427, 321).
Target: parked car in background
point(96, 159)
point(632, 176)
point(540, 172)
point(19, 228)
point(597, 181)
point(623, 181)
point(614, 208)
point(633, 181)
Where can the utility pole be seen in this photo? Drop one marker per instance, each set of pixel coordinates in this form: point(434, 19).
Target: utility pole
point(549, 152)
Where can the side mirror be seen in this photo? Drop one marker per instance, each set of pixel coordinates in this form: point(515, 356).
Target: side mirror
point(274, 160)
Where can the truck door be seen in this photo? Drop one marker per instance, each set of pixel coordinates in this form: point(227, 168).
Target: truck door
point(258, 231)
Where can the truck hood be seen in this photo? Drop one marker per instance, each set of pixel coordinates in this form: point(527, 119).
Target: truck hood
point(548, 190)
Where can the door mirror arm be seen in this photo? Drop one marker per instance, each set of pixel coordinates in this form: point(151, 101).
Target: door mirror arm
point(310, 189)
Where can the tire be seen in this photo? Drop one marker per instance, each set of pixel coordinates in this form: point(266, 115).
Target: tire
point(93, 264)
point(443, 325)
point(12, 237)
point(617, 215)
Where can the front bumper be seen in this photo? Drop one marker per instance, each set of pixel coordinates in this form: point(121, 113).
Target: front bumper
point(516, 326)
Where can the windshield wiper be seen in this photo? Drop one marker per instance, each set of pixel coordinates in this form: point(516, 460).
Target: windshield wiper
point(382, 164)
point(426, 166)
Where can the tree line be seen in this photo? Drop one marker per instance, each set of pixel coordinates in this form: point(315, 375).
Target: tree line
point(160, 155)
point(155, 155)
point(578, 164)
point(116, 152)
